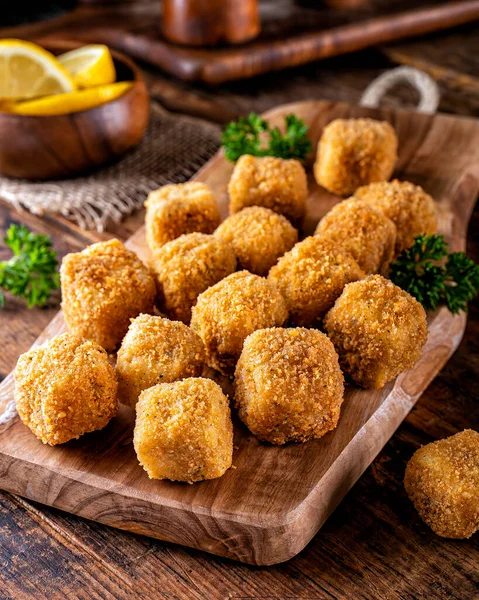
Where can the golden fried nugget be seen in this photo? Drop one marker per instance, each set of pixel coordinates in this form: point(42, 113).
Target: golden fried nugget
point(407, 205)
point(311, 276)
point(187, 266)
point(176, 209)
point(354, 152)
point(276, 183)
point(367, 234)
point(103, 287)
point(378, 330)
point(442, 481)
point(65, 388)
point(258, 236)
point(229, 311)
point(183, 431)
point(288, 386)
point(156, 350)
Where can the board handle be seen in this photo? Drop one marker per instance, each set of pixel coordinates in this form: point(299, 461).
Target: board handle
point(429, 94)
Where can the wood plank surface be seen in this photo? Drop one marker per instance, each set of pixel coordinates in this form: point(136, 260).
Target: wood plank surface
point(268, 508)
point(292, 33)
point(374, 546)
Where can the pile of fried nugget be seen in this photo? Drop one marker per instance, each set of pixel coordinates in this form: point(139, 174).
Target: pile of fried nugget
point(244, 297)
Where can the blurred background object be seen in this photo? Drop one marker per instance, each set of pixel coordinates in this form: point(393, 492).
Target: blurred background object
point(208, 22)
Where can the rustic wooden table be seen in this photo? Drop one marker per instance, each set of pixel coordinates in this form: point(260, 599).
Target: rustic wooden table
point(374, 545)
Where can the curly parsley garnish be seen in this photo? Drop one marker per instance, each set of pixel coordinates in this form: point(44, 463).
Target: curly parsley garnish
point(253, 135)
point(434, 276)
point(31, 273)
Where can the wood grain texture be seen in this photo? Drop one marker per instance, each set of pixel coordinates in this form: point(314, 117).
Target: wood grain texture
point(50, 147)
point(270, 506)
point(292, 34)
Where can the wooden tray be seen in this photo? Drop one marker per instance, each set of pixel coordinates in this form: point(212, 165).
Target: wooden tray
point(293, 32)
point(268, 508)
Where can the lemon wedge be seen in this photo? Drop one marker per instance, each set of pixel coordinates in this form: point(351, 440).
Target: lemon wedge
point(29, 71)
point(90, 65)
point(63, 104)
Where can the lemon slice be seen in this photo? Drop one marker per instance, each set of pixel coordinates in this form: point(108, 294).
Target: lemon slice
point(90, 65)
point(29, 71)
point(63, 104)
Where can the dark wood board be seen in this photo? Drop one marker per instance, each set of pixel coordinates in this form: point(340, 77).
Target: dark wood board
point(269, 507)
point(293, 33)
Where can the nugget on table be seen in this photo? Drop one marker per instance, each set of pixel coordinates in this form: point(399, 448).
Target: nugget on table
point(176, 209)
point(442, 480)
point(103, 287)
point(288, 386)
point(183, 431)
point(409, 207)
point(367, 234)
point(276, 183)
point(355, 152)
point(65, 388)
point(378, 330)
point(156, 350)
point(311, 276)
point(258, 236)
point(187, 266)
point(226, 313)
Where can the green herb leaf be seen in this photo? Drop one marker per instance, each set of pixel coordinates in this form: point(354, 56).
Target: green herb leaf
point(31, 273)
point(244, 137)
point(420, 270)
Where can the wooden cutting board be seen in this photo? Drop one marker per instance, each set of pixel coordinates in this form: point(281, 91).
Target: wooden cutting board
point(267, 508)
point(293, 32)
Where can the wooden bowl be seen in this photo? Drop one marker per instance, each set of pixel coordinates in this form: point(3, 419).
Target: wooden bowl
point(40, 147)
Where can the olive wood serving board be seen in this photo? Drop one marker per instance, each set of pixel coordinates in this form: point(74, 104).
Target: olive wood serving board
point(267, 508)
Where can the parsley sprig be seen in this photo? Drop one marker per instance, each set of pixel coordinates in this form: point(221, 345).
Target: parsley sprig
point(434, 276)
point(31, 273)
point(253, 135)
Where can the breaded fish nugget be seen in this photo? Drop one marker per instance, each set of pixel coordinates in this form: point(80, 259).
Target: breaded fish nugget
point(229, 311)
point(65, 388)
point(176, 209)
point(156, 350)
point(311, 276)
point(258, 236)
point(407, 205)
point(276, 183)
point(378, 330)
point(355, 152)
point(288, 386)
point(442, 481)
point(367, 234)
point(187, 266)
point(103, 287)
point(183, 431)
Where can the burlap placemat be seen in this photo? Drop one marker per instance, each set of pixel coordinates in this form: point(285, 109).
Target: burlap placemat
point(173, 149)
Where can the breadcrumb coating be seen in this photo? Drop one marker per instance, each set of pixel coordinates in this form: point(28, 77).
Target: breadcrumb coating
point(276, 183)
point(156, 350)
point(176, 209)
point(367, 234)
point(407, 205)
point(288, 386)
point(311, 276)
point(258, 236)
point(65, 388)
point(442, 481)
point(355, 152)
point(103, 287)
point(378, 331)
point(229, 311)
point(186, 267)
point(183, 431)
